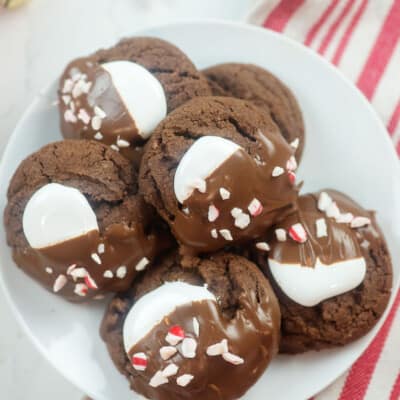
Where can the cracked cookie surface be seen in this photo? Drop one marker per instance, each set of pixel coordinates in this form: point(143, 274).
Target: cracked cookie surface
point(108, 182)
point(262, 149)
point(255, 84)
point(245, 303)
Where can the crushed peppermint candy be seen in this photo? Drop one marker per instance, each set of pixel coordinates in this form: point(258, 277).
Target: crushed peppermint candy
point(217, 349)
point(49, 270)
point(214, 233)
point(264, 246)
point(184, 379)
point(108, 274)
point(175, 335)
point(69, 116)
point(298, 233)
point(291, 164)
point(81, 289)
point(86, 87)
point(71, 268)
point(59, 283)
point(142, 264)
point(345, 218)
point(72, 106)
point(280, 235)
point(324, 201)
point(213, 213)
point(277, 171)
point(365, 244)
point(188, 348)
point(320, 225)
point(242, 221)
point(98, 136)
point(170, 370)
point(96, 123)
point(196, 326)
point(68, 85)
point(83, 116)
point(101, 248)
point(95, 257)
point(332, 211)
point(226, 234)
point(295, 143)
point(122, 143)
point(139, 361)
point(78, 89)
point(158, 379)
point(66, 99)
point(292, 177)
point(90, 282)
point(360, 222)
point(166, 352)
point(255, 207)
point(121, 272)
point(235, 212)
point(77, 273)
point(224, 193)
point(232, 358)
point(99, 112)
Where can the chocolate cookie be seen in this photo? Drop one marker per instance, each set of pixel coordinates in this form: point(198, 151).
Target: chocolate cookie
point(194, 328)
point(219, 172)
point(119, 95)
point(75, 221)
point(331, 271)
point(253, 83)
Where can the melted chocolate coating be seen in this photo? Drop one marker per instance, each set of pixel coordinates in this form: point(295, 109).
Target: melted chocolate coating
point(124, 246)
point(246, 176)
point(213, 376)
point(117, 124)
point(341, 243)
point(246, 179)
point(246, 314)
point(128, 227)
point(346, 317)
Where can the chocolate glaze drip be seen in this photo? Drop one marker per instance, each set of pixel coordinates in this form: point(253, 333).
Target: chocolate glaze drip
point(117, 123)
point(252, 335)
point(123, 246)
point(246, 178)
point(342, 243)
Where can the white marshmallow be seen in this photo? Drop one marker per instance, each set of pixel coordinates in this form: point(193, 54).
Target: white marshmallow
point(202, 158)
point(150, 309)
point(141, 93)
point(56, 213)
point(309, 286)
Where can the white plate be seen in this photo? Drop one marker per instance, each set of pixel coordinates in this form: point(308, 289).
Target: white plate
point(347, 149)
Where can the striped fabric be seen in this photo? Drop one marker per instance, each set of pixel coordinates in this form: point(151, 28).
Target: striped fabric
point(362, 38)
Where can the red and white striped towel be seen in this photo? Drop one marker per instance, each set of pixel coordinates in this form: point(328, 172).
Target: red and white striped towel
point(362, 38)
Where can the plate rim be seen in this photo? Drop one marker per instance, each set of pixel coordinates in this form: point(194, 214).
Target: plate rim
point(189, 23)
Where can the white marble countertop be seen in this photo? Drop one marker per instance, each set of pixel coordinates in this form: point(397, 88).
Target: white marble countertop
point(36, 41)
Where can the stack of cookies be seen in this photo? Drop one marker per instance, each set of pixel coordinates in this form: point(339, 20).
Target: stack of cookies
point(175, 189)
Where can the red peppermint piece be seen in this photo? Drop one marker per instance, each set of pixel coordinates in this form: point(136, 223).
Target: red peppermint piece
point(90, 283)
point(175, 335)
point(213, 213)
point(291, 164)
point(298, 233)
point(292, 177)
point(255, 207)
point(139, 361)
